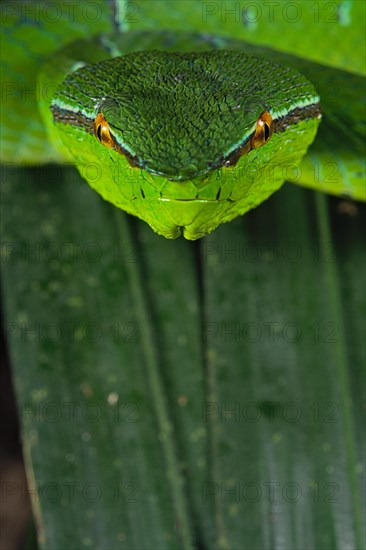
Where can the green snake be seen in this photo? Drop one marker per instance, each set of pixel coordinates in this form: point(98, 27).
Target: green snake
point(183, 128)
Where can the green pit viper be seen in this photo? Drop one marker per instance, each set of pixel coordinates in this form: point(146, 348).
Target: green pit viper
point(171, 116)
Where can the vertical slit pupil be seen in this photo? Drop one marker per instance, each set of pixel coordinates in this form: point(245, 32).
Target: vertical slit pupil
point(266, 132)
point(99, 132)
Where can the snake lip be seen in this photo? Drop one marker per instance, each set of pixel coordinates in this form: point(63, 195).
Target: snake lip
point(197, 199)
point(168, 199)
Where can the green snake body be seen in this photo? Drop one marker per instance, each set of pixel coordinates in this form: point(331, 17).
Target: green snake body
point(182, 110)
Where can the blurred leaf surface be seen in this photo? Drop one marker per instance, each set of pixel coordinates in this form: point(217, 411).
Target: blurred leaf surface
point(174, 394)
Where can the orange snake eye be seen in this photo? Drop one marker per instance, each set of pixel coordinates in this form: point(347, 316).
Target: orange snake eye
point(102, 131)
point(263, 130)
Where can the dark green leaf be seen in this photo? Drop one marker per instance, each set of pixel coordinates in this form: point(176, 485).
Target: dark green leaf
point(177, 394)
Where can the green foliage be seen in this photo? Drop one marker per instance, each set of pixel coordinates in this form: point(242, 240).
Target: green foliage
point(155, 376)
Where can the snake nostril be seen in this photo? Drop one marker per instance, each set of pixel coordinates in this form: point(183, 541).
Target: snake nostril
point(142, 193)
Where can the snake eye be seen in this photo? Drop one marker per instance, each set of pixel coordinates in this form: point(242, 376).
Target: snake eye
point(263, 130)
point(102, 132)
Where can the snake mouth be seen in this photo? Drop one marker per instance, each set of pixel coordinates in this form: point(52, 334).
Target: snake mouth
point(196, 199)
